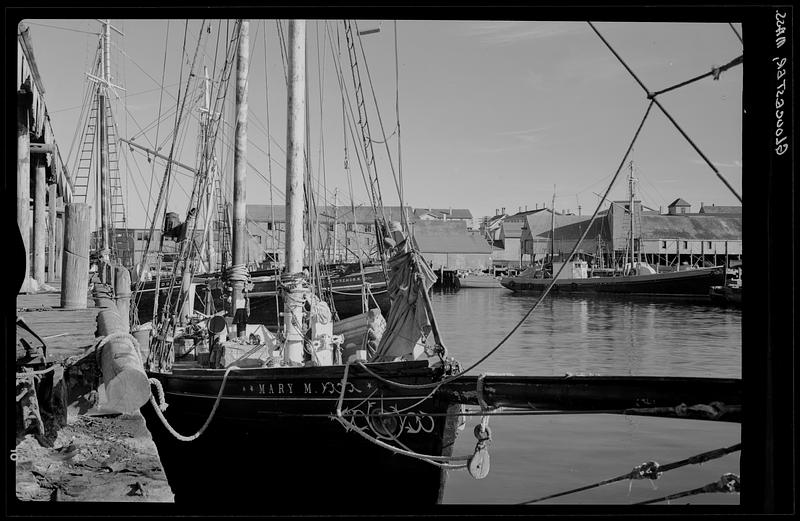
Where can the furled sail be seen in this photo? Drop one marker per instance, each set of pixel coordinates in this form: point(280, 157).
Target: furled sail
point(408, 324)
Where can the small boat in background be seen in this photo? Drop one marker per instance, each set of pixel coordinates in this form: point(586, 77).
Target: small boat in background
point(478, 280)
point(729, 294)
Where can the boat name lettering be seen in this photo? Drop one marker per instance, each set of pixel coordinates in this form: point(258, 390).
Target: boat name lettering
point(330, 387)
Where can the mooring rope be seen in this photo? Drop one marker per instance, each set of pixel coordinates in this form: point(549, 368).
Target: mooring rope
point(648, 470)
point(159, 408)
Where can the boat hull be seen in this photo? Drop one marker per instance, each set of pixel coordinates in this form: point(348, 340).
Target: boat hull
point(479, 282)
point(726, 295)
point(693, 284)
point(345, 291)
point(273, 440)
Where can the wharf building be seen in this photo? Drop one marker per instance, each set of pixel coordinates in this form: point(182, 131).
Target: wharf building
point(344, 234)
point(712, 236)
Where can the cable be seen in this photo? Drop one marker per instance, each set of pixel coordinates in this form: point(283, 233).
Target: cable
point(652, 97)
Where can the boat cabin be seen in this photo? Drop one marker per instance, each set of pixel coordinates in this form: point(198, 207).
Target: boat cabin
point(577, 269)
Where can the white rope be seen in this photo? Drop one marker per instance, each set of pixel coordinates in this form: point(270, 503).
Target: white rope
point(22, 376)
point(161, 407)
point(348, 425)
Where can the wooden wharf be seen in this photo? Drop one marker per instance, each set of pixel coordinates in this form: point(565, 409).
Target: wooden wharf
point(112, 455)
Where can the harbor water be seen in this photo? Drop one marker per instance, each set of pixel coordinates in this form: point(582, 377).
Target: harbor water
point(535, 456)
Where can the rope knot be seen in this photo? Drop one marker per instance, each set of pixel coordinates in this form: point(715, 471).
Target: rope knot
point(647, 470)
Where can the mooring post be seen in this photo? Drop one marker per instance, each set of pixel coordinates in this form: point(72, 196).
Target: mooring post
point(75, 261)
point(126, 383)
point(39, 227)
point(51, 235)
point(122, 279)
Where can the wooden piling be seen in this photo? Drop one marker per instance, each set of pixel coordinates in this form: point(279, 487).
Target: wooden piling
point(51, 233)
point(122, 278)
point(23, 180)
point(59, 250)
point(126, 383)
point(39, 216)
point(75, 261)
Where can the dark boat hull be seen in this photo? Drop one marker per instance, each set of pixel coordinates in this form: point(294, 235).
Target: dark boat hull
point(726, 296)
point(273, 441)
point(693, 284)
point(345, 291)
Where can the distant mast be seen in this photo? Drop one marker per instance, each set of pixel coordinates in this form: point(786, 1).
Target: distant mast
point(295, 147)
point(630, 208)
point(553, 227)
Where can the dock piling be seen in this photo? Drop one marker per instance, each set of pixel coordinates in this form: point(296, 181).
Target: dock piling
point(39, 216)
point(122, 280)
point(75, 263)
point(126, 384)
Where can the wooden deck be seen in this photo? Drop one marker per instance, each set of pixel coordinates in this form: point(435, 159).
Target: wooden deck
point(66, 332)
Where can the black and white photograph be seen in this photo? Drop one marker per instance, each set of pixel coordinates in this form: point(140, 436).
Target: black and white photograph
point(327, 261)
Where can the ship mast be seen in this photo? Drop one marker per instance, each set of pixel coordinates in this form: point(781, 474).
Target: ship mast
point(553, 227)
point(239, 182)
point(630, 190)
point(295, 146)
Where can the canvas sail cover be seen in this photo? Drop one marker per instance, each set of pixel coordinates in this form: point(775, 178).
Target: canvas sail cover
point(408, 323)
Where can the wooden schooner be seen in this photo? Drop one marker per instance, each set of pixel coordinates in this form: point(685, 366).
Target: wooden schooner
point(293, 423)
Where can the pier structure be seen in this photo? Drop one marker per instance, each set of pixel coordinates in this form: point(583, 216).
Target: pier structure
point(43, 184)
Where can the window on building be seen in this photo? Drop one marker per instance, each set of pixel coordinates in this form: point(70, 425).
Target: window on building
point(349, 227)
point(708, 244)
point(685, 245)
point(368, 228)
point(139, 236)
point(269, 226)
point(331, 227)
point(663, 245)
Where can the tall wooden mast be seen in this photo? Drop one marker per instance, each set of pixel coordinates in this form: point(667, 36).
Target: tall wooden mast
point(239, 180)
point(105, 188)
point(295, 147)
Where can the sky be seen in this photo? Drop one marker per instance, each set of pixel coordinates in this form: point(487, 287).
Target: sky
point(492, 114)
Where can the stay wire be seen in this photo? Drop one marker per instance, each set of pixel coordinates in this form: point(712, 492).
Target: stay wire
point(637, 472)
point(652, 96)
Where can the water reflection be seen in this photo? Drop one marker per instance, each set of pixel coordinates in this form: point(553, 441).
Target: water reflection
point(579, 334)
point(541, 455)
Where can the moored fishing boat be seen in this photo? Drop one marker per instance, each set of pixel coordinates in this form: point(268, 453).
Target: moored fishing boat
point(283, 421)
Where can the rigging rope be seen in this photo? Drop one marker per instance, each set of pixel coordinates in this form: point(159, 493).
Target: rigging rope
point(348, 425)
point(728, 483)
point(652, 96)
point(649, 470)
point(546, 291)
